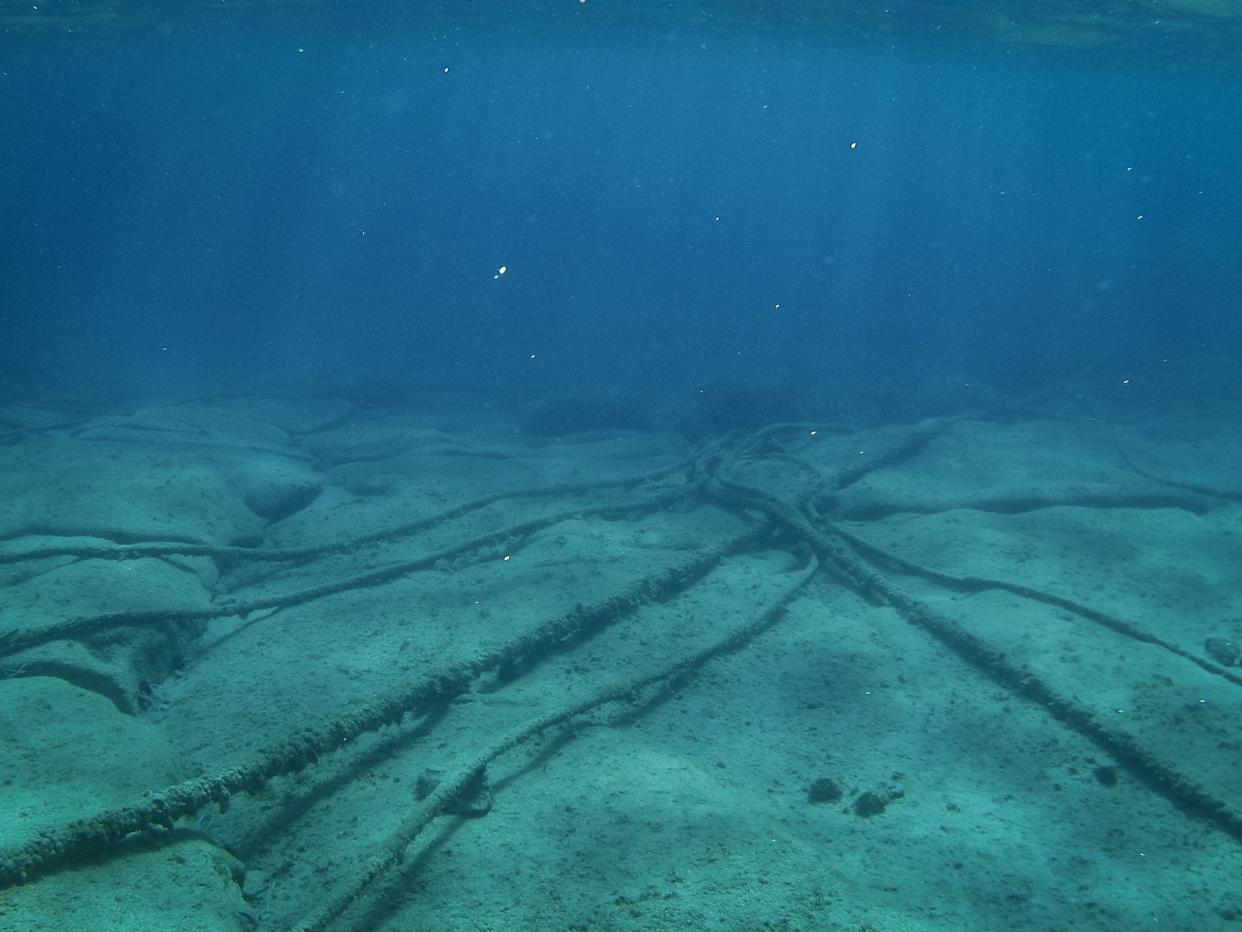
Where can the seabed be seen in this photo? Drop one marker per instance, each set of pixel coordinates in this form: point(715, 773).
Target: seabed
point(288, 662)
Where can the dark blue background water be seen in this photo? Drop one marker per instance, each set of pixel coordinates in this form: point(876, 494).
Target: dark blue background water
point(186, 209)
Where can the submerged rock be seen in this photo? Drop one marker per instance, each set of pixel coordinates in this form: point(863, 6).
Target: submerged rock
point(1223, 651)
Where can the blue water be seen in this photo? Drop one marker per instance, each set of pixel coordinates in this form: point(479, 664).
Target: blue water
point(674, 207)
point(321, 327)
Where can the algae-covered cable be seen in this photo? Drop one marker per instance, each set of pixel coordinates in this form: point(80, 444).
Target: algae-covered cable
point(99, 834)
point(22, 638)
point(1165, 779)
point(167, 548)
point(452, 786)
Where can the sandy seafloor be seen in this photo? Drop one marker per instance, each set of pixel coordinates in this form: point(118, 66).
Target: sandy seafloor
point(1094, 548)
